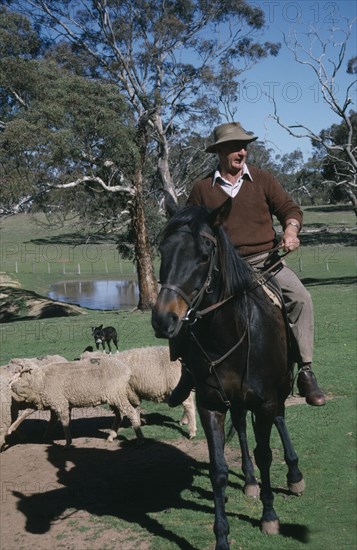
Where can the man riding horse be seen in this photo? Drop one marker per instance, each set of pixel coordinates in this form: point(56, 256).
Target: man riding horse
point(256, 197)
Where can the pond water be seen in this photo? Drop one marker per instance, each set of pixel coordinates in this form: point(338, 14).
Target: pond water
point(98, 294)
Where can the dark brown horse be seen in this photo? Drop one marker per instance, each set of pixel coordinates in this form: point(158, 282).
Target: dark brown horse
point(235, 343)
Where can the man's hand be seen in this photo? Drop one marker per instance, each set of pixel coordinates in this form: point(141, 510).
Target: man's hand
point(290, 240)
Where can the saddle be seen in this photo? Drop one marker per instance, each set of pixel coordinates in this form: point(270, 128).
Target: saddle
point(273, 291)
point(264, 277)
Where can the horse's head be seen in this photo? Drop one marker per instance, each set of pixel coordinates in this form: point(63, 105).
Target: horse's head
point(188, 255)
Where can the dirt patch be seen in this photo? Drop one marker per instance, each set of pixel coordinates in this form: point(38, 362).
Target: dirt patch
point(90, 496)
point(58, 498)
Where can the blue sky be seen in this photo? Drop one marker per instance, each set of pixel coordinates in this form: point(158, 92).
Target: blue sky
point(294, 86)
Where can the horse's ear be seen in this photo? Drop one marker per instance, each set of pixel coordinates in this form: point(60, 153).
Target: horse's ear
point(171, 206)
point(220, 214)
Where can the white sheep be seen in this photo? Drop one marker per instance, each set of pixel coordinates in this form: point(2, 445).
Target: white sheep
point(10, 418)
point(153, 377)
point(121, 381)
point(85, 383)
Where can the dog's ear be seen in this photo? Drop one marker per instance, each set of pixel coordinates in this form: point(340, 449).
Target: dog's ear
point(101, 326)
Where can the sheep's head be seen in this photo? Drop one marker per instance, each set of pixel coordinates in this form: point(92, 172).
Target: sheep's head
point(22, 385)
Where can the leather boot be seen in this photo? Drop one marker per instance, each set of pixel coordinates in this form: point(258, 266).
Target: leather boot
point(182, 390)
point(309, 388)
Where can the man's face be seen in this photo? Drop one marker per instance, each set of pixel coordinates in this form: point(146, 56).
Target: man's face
point(232, 155)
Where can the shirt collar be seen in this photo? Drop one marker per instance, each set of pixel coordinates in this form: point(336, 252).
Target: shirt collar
point(245, 175)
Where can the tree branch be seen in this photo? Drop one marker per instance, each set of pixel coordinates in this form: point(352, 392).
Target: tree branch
point(95, 179)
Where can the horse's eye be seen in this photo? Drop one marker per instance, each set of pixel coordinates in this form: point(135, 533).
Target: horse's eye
point(204, 258)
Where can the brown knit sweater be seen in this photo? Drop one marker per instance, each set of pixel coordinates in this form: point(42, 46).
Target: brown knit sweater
point(250, 224)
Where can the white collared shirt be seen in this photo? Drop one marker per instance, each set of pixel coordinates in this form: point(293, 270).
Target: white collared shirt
point(231, 189)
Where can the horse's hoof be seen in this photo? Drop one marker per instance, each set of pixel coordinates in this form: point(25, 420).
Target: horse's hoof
point(297, 488)
point(252, 490)
point(270, 527)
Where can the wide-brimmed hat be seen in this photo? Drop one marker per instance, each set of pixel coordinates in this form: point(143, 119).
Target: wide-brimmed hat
point(231, 131)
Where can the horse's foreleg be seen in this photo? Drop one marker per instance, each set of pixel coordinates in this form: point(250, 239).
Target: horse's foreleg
point(294, 477)
point(251, 487)
point(213, 425)
point(262, 425)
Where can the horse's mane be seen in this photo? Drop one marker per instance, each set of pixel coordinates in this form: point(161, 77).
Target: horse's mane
point(236, 274)
point(193, 216)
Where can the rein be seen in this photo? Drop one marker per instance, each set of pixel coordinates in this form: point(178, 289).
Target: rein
point(262, 278)
point(259, 280)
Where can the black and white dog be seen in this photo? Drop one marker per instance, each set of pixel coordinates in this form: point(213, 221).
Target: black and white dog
point(104, 336)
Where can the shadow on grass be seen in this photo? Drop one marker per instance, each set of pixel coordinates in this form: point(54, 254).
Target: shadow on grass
point(72, 239)
point(310, 281)
point(158, 419)
point(330, 208)
point(343, 238)
point(288, 530)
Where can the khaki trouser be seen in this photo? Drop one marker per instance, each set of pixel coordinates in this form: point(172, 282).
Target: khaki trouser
point(298, 305)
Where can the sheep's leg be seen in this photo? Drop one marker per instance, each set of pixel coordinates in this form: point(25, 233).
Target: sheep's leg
point(64, 416)
point(134, 417)
point(124, 408)
point(189, 416)
point(19, 420)
point(116, 424)
point(51, 424)
point(133, 413)
point(184, 418)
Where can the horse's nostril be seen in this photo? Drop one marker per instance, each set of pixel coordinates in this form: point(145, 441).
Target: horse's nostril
point(165, 324)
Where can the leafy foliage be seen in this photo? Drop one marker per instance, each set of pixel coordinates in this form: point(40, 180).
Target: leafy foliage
point(59, 126)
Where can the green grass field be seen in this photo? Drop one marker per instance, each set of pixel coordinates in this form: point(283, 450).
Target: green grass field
point(325, 439)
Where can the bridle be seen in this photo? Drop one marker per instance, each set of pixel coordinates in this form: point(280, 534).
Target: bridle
point(193, 312)
point(193, 304)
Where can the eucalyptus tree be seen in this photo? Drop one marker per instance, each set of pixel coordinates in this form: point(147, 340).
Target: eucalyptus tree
point(178, 63)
